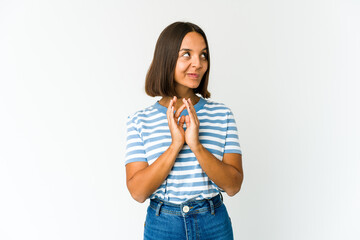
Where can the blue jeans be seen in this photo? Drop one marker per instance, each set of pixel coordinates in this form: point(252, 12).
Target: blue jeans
point(192, 220)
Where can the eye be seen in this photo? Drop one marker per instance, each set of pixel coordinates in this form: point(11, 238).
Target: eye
point(204, 55)
point(186, 54)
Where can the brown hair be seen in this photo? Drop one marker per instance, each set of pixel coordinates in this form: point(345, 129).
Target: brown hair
point(160, 76)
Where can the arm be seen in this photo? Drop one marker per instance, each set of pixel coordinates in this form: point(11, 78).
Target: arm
point(226, 174)
point(143, 179)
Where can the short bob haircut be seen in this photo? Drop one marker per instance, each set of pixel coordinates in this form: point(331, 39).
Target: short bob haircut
point(160, 76)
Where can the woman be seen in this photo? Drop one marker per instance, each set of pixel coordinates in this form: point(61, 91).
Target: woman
point(183, 150)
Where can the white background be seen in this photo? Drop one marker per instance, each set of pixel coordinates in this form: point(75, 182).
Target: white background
point(71, 72)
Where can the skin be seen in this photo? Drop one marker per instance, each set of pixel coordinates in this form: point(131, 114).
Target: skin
point(143, 179)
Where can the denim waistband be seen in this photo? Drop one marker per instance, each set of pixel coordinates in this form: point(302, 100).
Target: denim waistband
point(189, 207)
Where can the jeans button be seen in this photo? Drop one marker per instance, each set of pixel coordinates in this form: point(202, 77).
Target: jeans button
point(186, 209)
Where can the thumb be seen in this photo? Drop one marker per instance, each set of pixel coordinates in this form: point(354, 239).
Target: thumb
point(181, 121)
point(187, 120)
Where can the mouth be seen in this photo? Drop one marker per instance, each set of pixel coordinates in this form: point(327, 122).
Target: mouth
point(193, 75)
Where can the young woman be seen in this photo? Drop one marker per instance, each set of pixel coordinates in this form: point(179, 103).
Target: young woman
point(183, 151)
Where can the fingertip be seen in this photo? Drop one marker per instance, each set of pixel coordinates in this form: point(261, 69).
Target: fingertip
point(190, 100)
point(186, 102)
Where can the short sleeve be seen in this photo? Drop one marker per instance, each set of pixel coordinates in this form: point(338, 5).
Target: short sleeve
point(135, 149)
point(232, 144)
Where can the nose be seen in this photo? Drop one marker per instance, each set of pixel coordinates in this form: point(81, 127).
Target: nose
point(196, 62)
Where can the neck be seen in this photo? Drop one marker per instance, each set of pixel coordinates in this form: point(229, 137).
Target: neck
point(166, 100)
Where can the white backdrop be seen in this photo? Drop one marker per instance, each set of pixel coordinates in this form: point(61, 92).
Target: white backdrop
point(71, 72)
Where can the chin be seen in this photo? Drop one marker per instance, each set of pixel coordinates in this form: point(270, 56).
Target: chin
point(191, 85)
point(194, 86)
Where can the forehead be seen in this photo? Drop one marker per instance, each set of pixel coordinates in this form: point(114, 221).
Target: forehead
point(193, 40)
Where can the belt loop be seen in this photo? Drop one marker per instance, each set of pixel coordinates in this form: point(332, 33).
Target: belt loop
point(221, 197)
point(212, 207)
point(158, 208)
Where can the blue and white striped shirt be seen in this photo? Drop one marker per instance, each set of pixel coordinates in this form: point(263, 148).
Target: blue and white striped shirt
point(148, 136)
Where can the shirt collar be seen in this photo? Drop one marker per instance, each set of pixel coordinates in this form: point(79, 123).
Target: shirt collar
point(199, 105)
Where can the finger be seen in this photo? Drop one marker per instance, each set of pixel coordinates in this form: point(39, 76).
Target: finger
point(171, 115)
point(174, 100)
point(191, 106)
point(189, 110)
point(181, 121)
point(170, 112)
point(169, 109)
point(186, 102)
point(187, 121)
point(178, 112)
point(193, 111)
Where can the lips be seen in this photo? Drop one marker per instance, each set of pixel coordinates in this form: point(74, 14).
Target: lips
point(193, 75)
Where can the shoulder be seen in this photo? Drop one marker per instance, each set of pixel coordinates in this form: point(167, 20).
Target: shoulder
point(217, 107)
point(142, 114)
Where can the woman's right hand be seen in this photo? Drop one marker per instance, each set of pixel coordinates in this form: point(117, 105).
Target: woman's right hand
point(176, 126)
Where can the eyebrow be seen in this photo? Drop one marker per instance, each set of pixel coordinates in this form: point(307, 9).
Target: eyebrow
point(189, 50)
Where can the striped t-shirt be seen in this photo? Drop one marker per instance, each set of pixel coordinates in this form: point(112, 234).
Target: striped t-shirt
point(148, 136)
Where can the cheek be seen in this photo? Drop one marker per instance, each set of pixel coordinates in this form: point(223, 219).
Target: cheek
point(182, 66)
point(204, 69)
point(205, 66)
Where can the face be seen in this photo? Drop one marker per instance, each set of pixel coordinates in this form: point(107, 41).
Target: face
point(192, 62)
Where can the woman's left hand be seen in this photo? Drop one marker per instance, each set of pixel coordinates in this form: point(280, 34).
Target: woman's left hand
point(192, 126)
